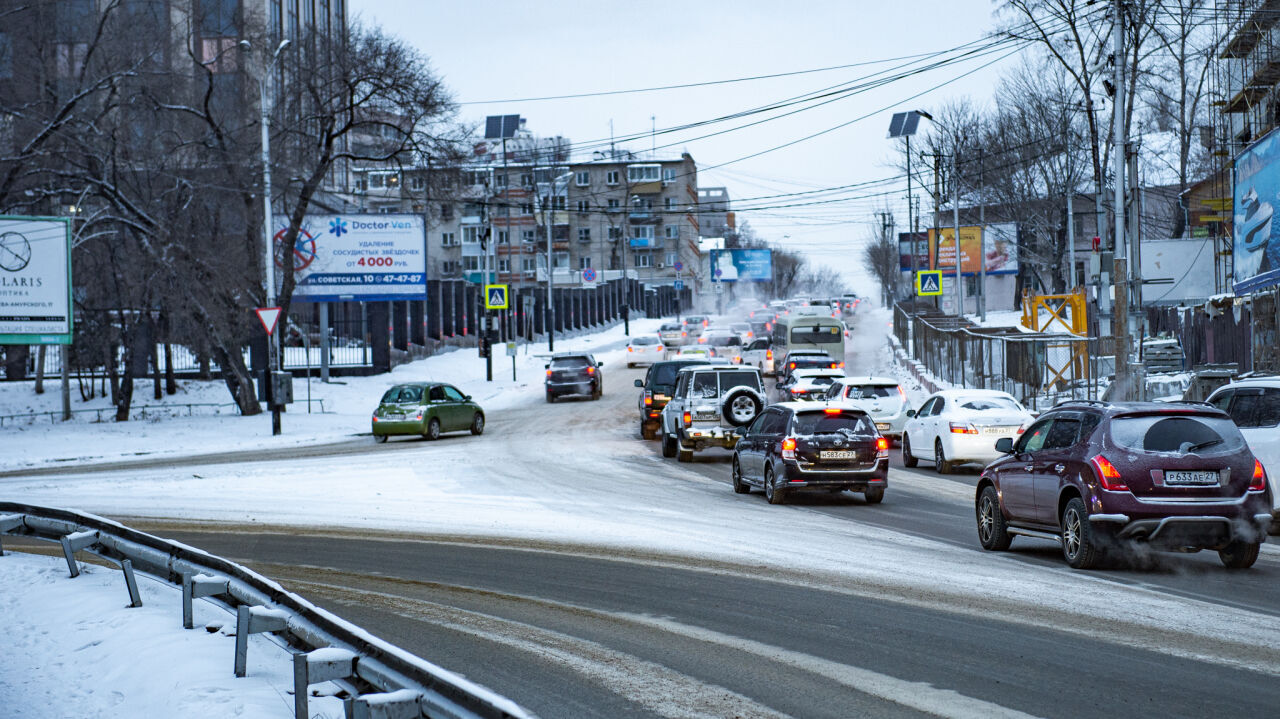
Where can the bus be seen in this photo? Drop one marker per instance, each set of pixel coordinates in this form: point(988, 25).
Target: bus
point(805, 332)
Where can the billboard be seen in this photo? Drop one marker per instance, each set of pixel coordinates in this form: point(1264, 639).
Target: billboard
point(1000, 246)
point(742, 266)
point(360, 257)
point(907, 243)
point(35, 280)
point(1256, 239)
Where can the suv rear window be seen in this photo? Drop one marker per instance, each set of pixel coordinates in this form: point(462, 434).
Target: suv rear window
point(569, 363)
point(1179, 434)
point(823, 423)
point(664, 374)
point(870, 391)
point(714, 384)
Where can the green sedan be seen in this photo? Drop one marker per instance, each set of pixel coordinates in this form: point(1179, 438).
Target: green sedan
point(426, 409)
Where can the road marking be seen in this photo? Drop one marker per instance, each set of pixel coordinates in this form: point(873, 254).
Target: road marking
point(657, 688)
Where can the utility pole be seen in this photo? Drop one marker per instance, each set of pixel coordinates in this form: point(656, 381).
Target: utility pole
point(1120, 279)
point(915, 251)
point(1071, 242)
point(955, 217)
point(551, 340)
point(982, 237)
point(937, 231)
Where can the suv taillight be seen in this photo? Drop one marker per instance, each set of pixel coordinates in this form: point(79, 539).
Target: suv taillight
point(1259, 481)
point(768, 354)
point(648, 398)
point(688, 418)
point(789, 448)
point(1108, 475)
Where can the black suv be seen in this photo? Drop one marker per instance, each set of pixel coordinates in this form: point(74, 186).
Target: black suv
point(574, 373)
point(799, 445)
point(1096, 476)
point(658, 385)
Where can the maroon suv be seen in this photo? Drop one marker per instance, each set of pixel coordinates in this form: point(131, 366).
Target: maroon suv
point(1097, 475)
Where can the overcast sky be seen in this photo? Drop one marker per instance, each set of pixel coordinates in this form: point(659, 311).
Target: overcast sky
point(511, 50)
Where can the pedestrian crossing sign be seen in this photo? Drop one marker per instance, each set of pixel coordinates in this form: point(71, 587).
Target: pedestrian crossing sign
point(496, 297)
point(929, 283)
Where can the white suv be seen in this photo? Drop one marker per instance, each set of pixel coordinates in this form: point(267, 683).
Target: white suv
point(709, 408)
point(1254, 405)
point(880, 397)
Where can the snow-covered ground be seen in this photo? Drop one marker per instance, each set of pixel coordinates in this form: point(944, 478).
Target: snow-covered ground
point(73, 649)
point(348, 403)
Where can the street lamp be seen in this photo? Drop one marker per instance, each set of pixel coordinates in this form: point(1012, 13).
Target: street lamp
point(546, 218)
point(268, 240)
point(904, 125)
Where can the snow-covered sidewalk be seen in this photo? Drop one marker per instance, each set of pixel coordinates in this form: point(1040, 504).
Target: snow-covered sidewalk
point(73, 649)
point(348, 402)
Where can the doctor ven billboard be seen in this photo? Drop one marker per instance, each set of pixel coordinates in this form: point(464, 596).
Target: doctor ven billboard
point(35, 280)
point(741, 265)
point(360, 257)
point(1256, 240)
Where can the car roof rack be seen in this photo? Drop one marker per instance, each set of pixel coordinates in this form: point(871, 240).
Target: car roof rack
point(1091, 402)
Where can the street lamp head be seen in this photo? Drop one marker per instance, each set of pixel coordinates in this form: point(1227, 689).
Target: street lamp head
point(924, 114)
point(246, 45)
point(280, 48)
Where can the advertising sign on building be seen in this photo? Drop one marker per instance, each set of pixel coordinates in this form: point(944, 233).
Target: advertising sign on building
point(1000, 246)
point(1256, 245)
point(35, 280)
point(741, 265)
point(360, 257)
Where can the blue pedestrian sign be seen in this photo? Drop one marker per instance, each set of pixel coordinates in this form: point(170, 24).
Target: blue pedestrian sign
point(679, 285)
point(496, 297)
point(929, 283)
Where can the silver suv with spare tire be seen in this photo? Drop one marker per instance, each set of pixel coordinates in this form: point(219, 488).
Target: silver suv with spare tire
point(709, 408)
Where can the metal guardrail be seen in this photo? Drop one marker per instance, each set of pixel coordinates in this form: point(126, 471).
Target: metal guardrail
point(381, 679)
point(141, 411)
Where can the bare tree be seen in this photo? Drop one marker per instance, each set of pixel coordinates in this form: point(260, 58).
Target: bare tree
point(881, 258)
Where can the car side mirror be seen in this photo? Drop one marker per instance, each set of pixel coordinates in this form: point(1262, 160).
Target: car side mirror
point(546, 366)
point(466, 398)
point(599, 364)
point(1004, 445)
point(639, 383)
point(912, 413)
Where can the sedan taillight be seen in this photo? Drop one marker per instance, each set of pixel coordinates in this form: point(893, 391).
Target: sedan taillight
point(962, 428)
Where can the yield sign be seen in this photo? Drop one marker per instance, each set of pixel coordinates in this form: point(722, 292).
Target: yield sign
point(268, 316)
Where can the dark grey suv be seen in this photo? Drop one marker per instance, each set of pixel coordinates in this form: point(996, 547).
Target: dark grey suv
point(574, 373)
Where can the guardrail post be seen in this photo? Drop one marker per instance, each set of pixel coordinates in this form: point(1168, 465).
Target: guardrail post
point(135, 600)
point(8, 523)
point(254, 620)
point(72, 543)
point(401, 704)
point(320, 665)
point(200, 585)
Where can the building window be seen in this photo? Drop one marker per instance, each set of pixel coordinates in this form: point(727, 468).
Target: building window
point(643, 259)
point(362, 183)
point(446, 212)
point(500, 181)
point(475, 177)
point(504, 265)
point(504, 237)
point(387, 180)
point(449, 267)
point(526, 208)
point(642, 232)
point(615, 233)
point(417, 183)
point(448, 239)
point(528, 236)
point(668, 175)
point(614, 203)
point(386, 209)
point(668, 203)
point(582, 179)
point(470, 235)
point(671, 259)
point(611, 177)
point(471, 263)
point(559, 202)
point(584, 263)
point(529, 264)
point(673, 232)
point(584, 234)
point(584, 206)
point(643, 173)
point(560, 260)
point(526, 179)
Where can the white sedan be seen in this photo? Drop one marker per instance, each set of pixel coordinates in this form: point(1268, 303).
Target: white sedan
point(959, 426)
point(808, 384)
point(645, 350)
point(881, 397)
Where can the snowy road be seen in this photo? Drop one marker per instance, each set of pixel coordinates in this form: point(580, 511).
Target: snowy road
point(559, 560)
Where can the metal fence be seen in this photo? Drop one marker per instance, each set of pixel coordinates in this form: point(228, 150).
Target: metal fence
point(1039, 369)
point(379, 678)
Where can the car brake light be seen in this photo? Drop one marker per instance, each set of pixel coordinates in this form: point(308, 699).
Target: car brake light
point(629, 348)
point(768, 354)
point(1108, 475)
point(832, 410)
point(796, 390)
point(688, 418)
point(789, 448)
point(1259, 482)
point(591, 370)
point(548, 373)
point(1022, 428)
point(375, 418)
point(902, 394)
point(684, 334)
point(882, 444)
point(659, 348)
point(648, 398)
point(962, 428)
point(793, 365)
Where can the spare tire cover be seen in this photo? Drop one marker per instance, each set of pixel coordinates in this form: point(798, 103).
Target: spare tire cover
point(740, 406)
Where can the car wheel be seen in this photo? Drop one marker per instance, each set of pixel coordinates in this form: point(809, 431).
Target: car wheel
point(631, 365)
point(433, 429)
point(1079, 545)
point(682, 454)
point(551, 398)
point(739, 487)
point(993, 532)
point(775, 495)
point(908, 459)
point(1239, 555)
point(380, 438)
point(940, 462)
point(874, 495)
point(668, 446)
point(645, 432)
point(477, 424)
